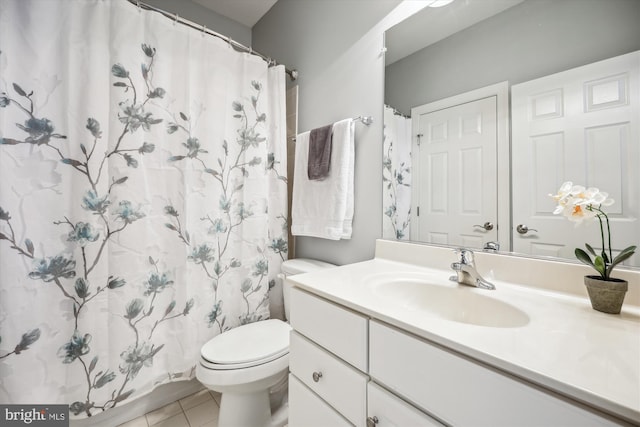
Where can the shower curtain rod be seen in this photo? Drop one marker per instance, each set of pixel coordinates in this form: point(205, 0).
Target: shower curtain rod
point(293, 74)
point(396, 112)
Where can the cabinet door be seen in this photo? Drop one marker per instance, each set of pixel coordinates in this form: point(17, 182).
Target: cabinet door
point(306, 409)
point(387, 410)
point(462, 392)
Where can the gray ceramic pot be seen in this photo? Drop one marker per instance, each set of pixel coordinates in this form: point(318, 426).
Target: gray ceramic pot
point(606, 295)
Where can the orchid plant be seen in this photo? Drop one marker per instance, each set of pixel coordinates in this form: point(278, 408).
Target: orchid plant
point(580, 204)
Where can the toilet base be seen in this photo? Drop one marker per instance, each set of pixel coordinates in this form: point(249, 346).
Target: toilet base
point(250, 410)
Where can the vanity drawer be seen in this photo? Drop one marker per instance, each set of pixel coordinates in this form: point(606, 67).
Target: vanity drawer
point(306, 409)
point(461, 392)
point(389, 410)
point(339, 330)
point(339, 384)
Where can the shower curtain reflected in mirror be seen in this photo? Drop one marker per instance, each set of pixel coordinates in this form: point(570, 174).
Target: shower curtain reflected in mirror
point(142, 199)
point(396, 175)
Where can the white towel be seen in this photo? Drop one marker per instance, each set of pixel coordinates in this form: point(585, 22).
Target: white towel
point(325, 208)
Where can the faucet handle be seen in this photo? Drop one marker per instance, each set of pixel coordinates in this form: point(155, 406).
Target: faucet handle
point(466, 255)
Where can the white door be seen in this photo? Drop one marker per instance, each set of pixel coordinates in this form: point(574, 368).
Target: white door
point(455, 174)
point(579, 125)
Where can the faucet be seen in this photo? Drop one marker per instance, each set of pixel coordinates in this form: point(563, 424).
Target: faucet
point(466, 273)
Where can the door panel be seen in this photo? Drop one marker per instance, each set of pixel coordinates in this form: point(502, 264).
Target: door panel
point(580, 125)
point(456, 188)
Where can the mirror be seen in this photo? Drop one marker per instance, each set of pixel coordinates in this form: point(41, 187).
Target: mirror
point(473, 46)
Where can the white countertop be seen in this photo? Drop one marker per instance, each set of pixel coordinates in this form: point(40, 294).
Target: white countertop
point(566, 346)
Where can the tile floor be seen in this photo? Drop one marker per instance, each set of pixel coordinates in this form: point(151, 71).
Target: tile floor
point(198, 410)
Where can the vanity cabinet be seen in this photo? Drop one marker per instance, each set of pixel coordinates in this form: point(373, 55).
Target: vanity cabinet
point(347, 369)
point(328, 360)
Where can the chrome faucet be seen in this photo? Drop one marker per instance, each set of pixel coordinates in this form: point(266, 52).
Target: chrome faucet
point(466, 273)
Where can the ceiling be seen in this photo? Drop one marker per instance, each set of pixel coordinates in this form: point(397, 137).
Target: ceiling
point(434, 24)
point(246, 12)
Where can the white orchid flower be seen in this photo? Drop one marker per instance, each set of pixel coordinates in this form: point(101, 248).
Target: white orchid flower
point(578, 204)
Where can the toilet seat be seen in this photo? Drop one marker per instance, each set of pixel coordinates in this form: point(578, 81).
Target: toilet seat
point(247, 346)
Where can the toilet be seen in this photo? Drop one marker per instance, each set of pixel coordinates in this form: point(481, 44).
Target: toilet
point(245, 363)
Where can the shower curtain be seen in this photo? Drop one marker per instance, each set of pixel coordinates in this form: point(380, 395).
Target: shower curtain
point(142, 198)
point(396, 176)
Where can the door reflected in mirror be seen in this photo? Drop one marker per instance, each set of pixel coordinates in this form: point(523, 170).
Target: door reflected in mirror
point(573, 117)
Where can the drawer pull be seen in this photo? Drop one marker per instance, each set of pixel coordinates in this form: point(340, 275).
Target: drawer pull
point(317, 376)
point(372, 421)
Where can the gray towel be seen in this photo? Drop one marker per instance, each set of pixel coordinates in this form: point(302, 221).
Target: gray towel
point(319, 153)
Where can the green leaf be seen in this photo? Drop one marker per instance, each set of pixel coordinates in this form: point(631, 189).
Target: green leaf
point(590, 249)
point(630, 251)
point(600, 266)
point(583, 257)
point(622, 256)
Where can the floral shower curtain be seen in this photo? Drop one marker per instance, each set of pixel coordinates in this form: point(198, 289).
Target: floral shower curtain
point(396, 175)
point(142, 198)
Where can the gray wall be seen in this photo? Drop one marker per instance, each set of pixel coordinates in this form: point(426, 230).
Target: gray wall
point(530, 40)
point(335, 45)
point(201, 15)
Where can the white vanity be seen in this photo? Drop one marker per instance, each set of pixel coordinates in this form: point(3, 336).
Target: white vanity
point(393, 342)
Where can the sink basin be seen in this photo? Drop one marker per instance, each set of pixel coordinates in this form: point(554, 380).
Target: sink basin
point(451, 302)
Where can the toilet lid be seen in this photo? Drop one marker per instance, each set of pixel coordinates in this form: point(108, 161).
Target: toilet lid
point(248, 345)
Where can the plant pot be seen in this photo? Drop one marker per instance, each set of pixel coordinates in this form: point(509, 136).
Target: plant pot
point(606, 295)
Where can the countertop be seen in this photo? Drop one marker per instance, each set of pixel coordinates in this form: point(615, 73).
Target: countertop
point(566, 346)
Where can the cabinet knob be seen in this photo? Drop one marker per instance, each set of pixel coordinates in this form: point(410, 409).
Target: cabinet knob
point(316, 376)
point(372, 421)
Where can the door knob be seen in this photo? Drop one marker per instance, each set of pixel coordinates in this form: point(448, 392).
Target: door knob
point(316, 376)
point(523, 229)
point(487, 226)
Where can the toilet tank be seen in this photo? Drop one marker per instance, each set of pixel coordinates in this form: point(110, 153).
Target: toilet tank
point(294, 266)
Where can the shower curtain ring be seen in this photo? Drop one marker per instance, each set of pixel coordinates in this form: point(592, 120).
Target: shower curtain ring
point(138, 4)
point(175, 19)
point(204, 30)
